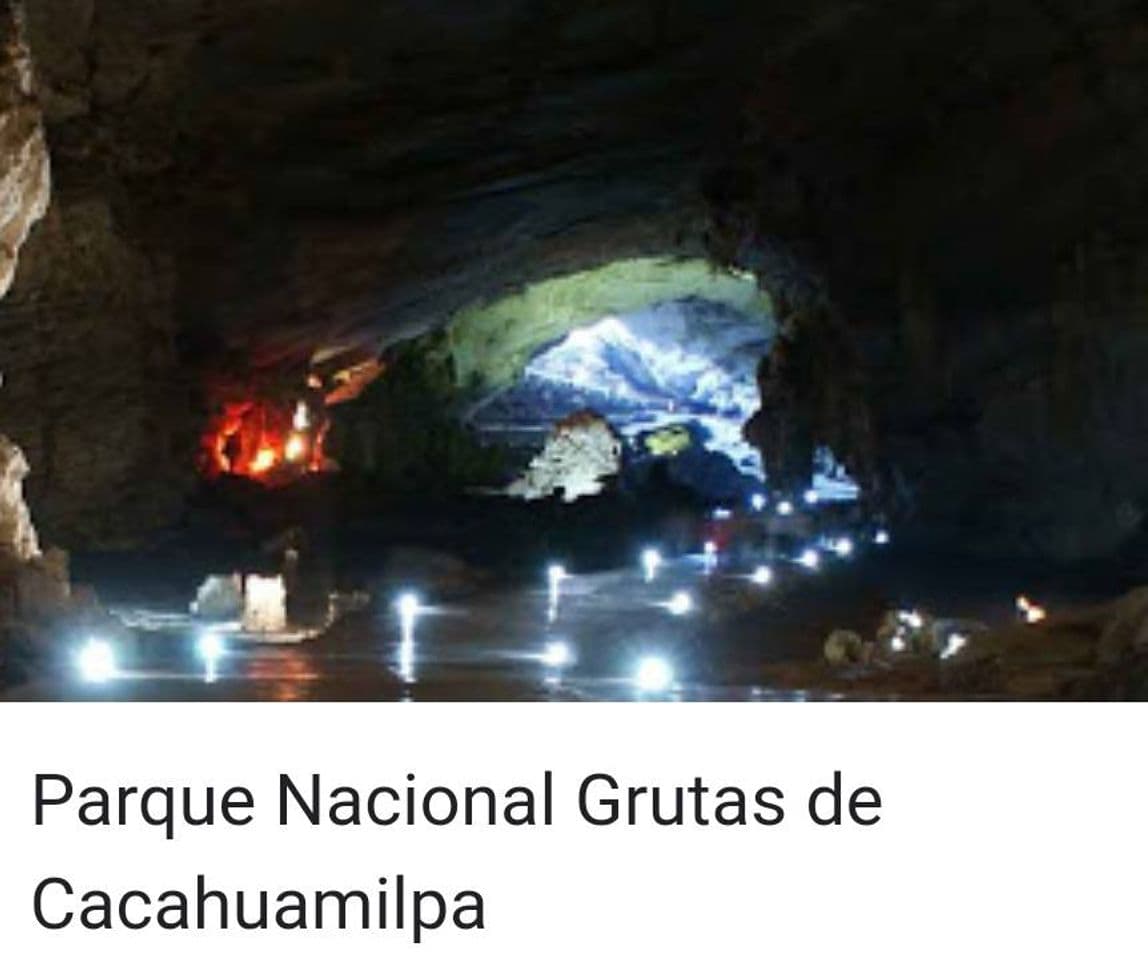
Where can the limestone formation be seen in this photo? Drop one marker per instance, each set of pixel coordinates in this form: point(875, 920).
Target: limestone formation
point(18, 540)
point(24, 167)
point(264, 604)
point(970, 201)
point(219, 597)
point(581, 452)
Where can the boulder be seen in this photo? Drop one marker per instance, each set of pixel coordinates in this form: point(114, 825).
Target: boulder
point(219, 597)
point(844, 647)
point(581, 452)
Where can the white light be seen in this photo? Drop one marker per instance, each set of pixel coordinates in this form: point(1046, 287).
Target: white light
point(557, 654)
point(785, 508)
point(757, 501)
point(955, 643)
point(897, 643)
point(710, 548)
point(555, 574)
point(97, 661)
point(911, 619)
point(762, 576)
point(721, 513)
point(408, 606)
point(209, 645)
point(811, 497)
point(302, 418)
point(1030, 612)
point(810, 559)
point(651, 560)
point(653, 675)
point(295, 448)
point(680, 604)
point(881, 537)
point(843, 547)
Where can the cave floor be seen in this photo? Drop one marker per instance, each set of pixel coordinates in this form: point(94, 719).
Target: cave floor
point(740, 641)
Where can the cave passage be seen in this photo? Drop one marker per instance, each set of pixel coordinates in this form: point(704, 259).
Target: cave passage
point(676, 380)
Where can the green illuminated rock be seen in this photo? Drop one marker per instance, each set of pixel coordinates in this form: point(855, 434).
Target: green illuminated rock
point(491, 343)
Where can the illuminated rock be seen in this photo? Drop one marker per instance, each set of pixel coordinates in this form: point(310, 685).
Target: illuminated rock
point(844, 647)
point(668, 441)
point(264, 604)
point(580, 453)
point(219, 597)
point(25, 181)
point(18, 538)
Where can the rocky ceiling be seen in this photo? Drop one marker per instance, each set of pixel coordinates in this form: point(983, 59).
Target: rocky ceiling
point(956, 187)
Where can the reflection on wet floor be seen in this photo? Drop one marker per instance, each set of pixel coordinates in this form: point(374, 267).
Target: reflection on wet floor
point(690, 628)
point(632, 634)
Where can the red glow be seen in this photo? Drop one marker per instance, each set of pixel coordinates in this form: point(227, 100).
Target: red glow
point(262, 439)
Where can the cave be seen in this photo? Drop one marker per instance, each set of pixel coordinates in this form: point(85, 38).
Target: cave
point(641, 348)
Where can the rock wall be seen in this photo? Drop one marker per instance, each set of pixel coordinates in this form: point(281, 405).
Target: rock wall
point(1026, 436)
point(92, 390)
point(245, 182)
point(24, 167)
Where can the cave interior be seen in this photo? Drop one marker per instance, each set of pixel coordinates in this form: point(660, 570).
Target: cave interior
point(434, 295)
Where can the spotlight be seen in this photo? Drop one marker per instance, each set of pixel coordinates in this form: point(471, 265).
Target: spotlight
point(680, 604)
point(785, 508)
point(912, 619)
point(710, 548)
point(295, 448)
point(557, 654)
point(651, 560)
point(209, 645)
point(810, 559)
point(881, 537)
point(555, 574)
point(97, 661)
point(1030, 612)
point(843, 547)
point(721, 513)
point(408, 606)
point(757, 501)
point(653, 675)
point(762, 576)
point(811, 497)
point(955, 643)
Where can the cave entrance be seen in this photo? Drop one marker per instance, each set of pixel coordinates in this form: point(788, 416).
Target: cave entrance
point(664, 352)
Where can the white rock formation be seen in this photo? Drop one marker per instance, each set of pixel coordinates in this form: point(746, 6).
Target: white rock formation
point(264, 604)
point(25, 180)
point(581, 451)
point(219, 597)
point(18, 538)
